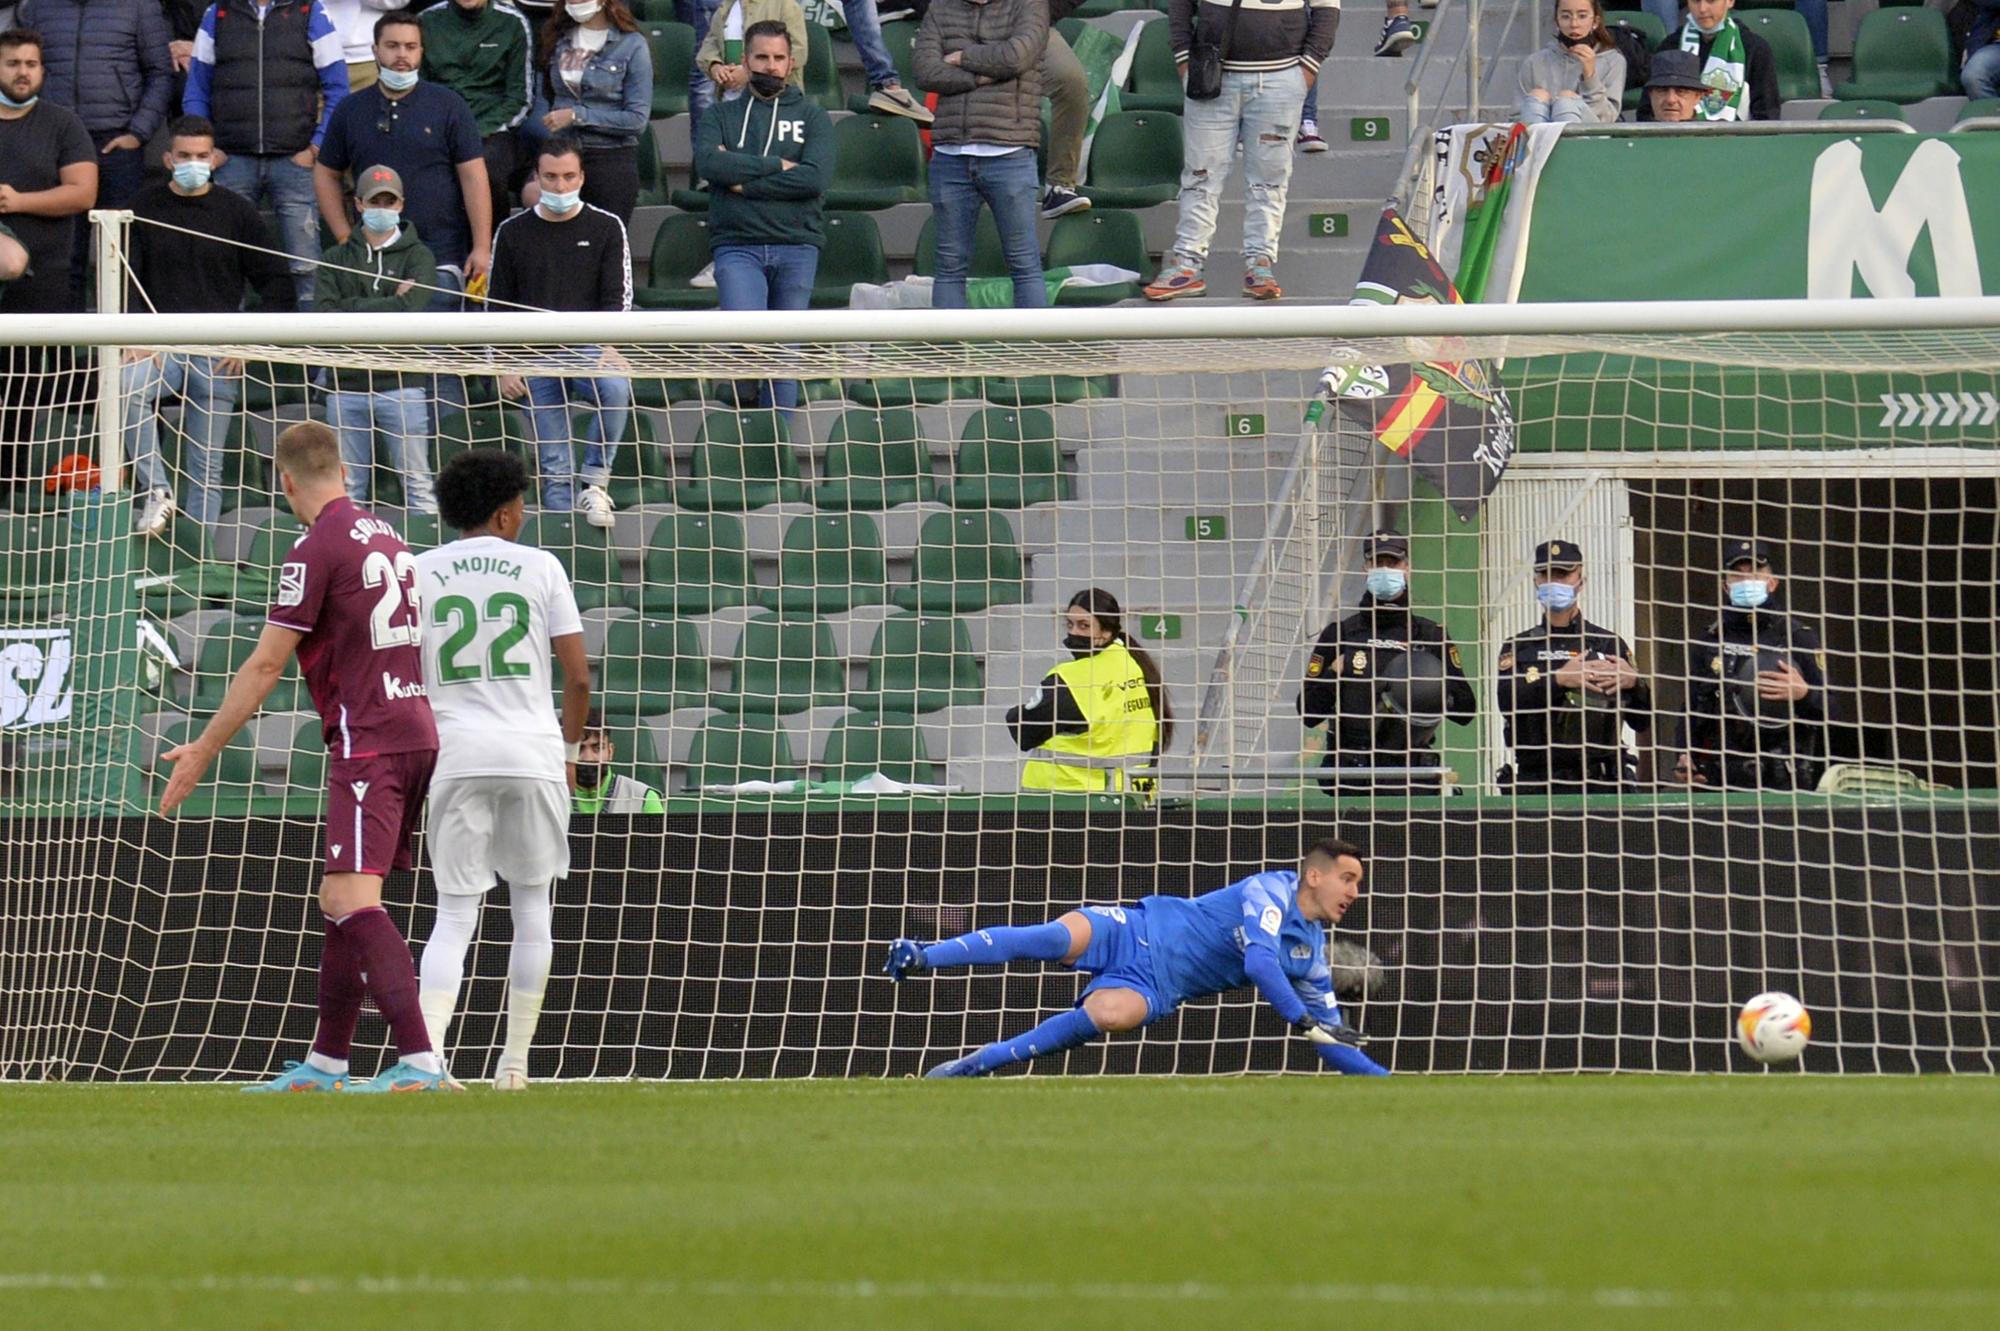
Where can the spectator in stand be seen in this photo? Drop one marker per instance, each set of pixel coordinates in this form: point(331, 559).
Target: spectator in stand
point(1668, 12)
point(1981, 75)
point(596, 87)
point(1068, 89)
point(381, 268)
point(598, 788)
point(1398, 36)
point(354, 20)
point(427, 134)
point(1271, 60)
point(767, 158)
point(721, 53)
point(196, 247)
point(480, 50)
point(1674, 90)
point(107, 61)
point(1736, 64)
point(1579, 77)
point(269, 77)
point(984, 60)
point(565, 254)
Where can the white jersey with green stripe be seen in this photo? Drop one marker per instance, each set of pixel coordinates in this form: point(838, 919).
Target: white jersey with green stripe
point(490, 609)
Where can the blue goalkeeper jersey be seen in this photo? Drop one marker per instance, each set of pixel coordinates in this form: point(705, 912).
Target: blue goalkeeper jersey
point(1197, 943)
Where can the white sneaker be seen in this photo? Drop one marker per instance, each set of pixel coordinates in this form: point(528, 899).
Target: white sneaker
point(153, 514)
point(704, 279)
point(511, 1079)
point(1309, 137)
point(595, 505)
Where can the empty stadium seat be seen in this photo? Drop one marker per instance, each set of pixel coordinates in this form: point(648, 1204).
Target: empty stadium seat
point(742, 460)
point(830, 562)
point(878, 163)
point(1901, 55)
point(1791, 49)
point(654, 191)
point(822, 76)
point(224, 649)
point(732, 749)
point(583, 550)
point(861, 745)
point(1135, 160)
point(305, 761)
point(1979, 108)
point(1155, 84)
point(651, 667)
point(891, 392)
point(673, 57)
point(1007, 459)
point(919, 665)
point(489, 426)
point(232, 778)
point(642, 471)
point(180, 570)
point(1871, 109)
point(988, 258)
point(964, 562)
point(782, 667)
point(1102, 235)
point(852, 253)
point(874, 460)
point(695, 563)
point(421, 531)
point(680, 251)
point(268, 548)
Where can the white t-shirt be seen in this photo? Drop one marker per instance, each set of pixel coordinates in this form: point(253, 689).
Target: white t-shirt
point(490, 609)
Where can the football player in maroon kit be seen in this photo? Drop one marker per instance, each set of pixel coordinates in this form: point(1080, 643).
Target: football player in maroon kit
point(347, 606)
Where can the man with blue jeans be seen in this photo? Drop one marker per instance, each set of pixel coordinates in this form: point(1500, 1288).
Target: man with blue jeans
point(565, 254)
point(1273, 56)
point(269, 77)
point(1981, 75)
point(984, 59)
point(767, 157)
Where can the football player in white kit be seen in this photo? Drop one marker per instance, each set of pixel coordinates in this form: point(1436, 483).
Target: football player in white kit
point(493, 611)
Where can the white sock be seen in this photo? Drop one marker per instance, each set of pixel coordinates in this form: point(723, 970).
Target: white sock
point(527, 969)
point(425, 1062)
point(332, 1067)
point(442, 967)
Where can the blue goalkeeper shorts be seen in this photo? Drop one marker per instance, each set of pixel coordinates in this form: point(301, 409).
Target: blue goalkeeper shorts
point(1120, 957)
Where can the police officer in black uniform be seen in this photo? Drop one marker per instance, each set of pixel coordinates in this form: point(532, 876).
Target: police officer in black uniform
point(1568, 688)
point(1382, 680)
point(1756, 704)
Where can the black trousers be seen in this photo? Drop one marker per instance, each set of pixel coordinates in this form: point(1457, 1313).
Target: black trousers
point(611, 180)
point(33, 380)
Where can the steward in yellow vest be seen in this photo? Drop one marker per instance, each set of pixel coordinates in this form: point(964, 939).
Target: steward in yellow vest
point(1096, 709)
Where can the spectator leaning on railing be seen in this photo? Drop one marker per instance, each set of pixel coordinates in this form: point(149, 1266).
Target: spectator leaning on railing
point(482, 50)
point(595, 84)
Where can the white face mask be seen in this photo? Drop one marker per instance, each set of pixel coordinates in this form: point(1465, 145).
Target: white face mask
point(584, 13)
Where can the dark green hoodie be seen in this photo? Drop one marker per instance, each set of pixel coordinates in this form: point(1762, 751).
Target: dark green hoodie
point(362, 279)
point(742, 142)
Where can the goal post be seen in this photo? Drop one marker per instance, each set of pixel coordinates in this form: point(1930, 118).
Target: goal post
point(808, 629)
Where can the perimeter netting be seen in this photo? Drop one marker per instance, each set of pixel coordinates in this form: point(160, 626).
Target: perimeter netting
point(797, 617)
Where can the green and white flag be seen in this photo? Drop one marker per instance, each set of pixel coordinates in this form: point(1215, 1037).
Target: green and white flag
point(829, 14)
point(1107, 63)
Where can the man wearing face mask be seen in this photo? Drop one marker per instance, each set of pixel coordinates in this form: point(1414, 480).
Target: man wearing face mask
point(427, 135)
point(1382, 680)
point(1756, 701)
point(1737, 66)
point(601, 790)
point(196, 248)
point(1567, 688)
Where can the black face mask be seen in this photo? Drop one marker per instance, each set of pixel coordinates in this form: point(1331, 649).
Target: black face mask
point(766, 86)
point(1079, 644)
point(589, 776)
point(1573, 41)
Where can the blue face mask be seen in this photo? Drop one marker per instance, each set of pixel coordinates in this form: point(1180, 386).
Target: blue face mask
point(13, 105)
point(562, 202)
point(397, 80)
point(1387, 584)
point(1749, 595)
point(380, 220)
point(192, 175)
point(1556, 595)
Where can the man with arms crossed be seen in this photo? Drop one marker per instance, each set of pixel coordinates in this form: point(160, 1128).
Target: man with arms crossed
point(347, 604)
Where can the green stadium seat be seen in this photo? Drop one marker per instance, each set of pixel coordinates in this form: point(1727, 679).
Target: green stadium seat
point(695, 563)
point(1865, 109)
point(1007, 459)
point(830, 563)
point(1155, 84)
point(742, 460)
point(891, 392)
point(690, 198)
point(489, 426)
point(672, 46)
point(305, 764)
point(224, 649)
point(1979, 108)
point(1791, 50)
point(584, 551)
point(898, 37)
point(652, 13)
point(654, 191)
point(920, 665)
point(852, 253)
point(822, 76)
point(875, 460)
point(783, 666)
point(964, 562)
point(1135, 160)
point(680, 251)
point(1043, 390)
point(422, 531)
point(185, 563)
point(268, 385)
point(860, 746)
point(988, 259)
point(1102, 235)
point(232, 777)
point(642, 472)
point(33, 565)
point(878, 162)
point(1901, 55)
point(732, 749)
point(1650, 31)
point(651, 667)
point(268, 548)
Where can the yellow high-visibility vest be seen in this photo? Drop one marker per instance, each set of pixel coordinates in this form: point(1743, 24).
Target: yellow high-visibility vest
point(1111, 690)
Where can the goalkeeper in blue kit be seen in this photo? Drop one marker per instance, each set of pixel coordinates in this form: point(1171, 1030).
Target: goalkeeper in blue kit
point(1145, 960)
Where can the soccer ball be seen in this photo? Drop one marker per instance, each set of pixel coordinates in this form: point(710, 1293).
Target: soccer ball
point(1773, 1028)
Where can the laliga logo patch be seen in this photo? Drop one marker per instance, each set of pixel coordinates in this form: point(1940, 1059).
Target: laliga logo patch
point(1270, 920)
point(291, 584)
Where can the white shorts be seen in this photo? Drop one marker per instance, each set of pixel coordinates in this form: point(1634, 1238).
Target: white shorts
point(483, 826)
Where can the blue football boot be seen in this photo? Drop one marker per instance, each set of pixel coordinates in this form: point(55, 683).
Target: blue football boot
point(958, 1067)
point(301, 1077)
point(400, 1077)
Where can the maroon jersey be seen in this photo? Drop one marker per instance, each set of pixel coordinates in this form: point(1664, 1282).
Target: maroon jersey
point(350, 585)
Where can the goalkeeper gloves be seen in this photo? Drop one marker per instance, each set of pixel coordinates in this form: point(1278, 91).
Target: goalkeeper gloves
point(1322, 1032)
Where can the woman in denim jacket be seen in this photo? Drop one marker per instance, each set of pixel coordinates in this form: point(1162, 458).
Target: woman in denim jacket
point(596, 82)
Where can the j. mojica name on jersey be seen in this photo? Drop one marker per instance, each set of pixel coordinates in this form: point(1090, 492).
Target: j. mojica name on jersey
point(494, 564)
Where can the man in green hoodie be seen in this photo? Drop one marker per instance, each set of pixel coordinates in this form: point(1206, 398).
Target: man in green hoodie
point(768, 158)
point(479, 49)
point(381, 268)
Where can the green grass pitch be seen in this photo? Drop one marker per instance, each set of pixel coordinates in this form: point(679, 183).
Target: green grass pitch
point(1244, 1203)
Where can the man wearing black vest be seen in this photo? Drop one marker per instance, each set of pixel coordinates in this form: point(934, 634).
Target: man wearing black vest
point(268, 75)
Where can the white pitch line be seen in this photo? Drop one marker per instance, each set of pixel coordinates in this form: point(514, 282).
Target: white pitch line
point(1612, 1298)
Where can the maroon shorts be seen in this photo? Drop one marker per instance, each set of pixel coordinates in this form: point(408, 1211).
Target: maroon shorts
point(373, 807)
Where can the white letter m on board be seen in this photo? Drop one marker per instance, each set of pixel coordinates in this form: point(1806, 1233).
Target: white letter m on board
point(1846, 232)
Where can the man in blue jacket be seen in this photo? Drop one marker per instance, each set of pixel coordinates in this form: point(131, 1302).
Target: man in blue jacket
point(1981, 75)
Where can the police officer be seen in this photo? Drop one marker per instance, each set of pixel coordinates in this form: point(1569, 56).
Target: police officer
point(1567, 690)
point(1098, 713)
point(1383, 680)
point(1756, 704)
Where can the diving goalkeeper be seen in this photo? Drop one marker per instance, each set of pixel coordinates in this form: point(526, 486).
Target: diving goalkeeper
point(1145, 960)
